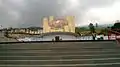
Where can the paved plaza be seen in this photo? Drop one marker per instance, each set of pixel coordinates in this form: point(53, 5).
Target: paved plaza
point(60, 54)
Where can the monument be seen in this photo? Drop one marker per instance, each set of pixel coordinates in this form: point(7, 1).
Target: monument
point(53, 24)
point(59, 28)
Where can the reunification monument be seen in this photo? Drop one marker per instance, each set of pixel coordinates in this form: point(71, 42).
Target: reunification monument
point(52, 24)
point(59, 28)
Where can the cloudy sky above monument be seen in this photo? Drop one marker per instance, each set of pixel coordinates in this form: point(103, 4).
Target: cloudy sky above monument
point(25, 13)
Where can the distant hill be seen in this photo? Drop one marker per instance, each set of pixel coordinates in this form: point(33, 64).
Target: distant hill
point(35, 27)
point(100, 26)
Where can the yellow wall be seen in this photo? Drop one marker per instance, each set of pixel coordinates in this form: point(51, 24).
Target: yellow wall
point(71, 24)
point(45, 25)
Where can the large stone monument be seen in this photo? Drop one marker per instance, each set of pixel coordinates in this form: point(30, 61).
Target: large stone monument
point(53, 24)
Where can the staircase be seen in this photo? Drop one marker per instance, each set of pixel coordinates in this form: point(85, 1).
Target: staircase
point(64, 54)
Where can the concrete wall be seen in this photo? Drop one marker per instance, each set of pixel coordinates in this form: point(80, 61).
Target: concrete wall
point(63, 37)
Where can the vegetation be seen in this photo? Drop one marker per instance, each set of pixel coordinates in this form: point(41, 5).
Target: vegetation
point(81, 30)
point(92, 28)
point(116, 25)
point(104, 31)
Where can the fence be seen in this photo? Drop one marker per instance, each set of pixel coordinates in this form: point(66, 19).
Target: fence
point(113, 35)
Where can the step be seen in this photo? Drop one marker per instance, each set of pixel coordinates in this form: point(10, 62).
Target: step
point(52, 54)
point(68, 65)
point(58, 57)
point(58, 45)
point(71, 47)
point(61, 52)
point(51, 50)
point(70, 54)
point(62, 61)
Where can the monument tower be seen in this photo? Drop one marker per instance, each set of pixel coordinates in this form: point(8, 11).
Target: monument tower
point(53, 24)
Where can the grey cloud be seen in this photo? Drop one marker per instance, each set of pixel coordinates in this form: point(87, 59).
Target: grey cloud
point(7, 15)
point(97, 3)
point(31, 12)
point(36, 10)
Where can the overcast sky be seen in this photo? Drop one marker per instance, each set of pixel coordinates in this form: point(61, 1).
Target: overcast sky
point(25, 13)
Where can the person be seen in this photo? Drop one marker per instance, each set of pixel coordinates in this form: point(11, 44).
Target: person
point(57, 38)
point(118, 41)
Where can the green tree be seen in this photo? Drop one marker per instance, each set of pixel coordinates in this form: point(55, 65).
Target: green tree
point(116, 25)
point(104, 31)
point(91, 27)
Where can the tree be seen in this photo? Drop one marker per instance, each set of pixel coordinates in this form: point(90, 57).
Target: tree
point(91, 27)
point(104, 31)
point(116, 26)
